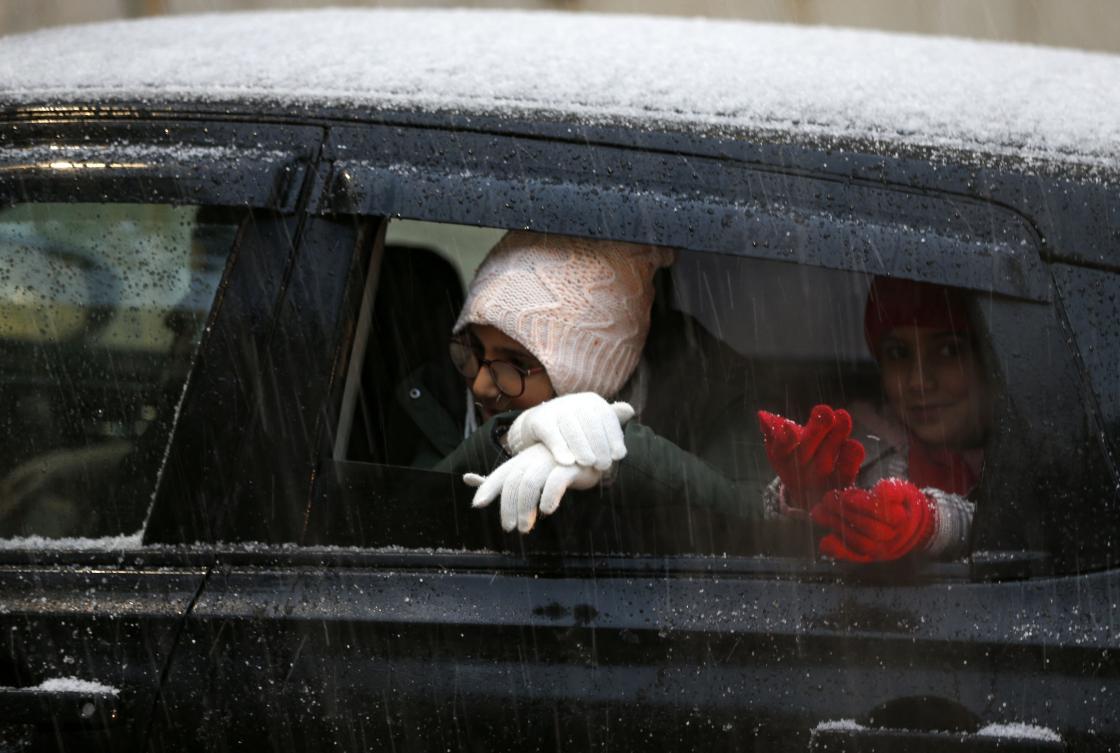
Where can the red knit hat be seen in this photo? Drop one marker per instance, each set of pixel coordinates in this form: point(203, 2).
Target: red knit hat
point(894, 302)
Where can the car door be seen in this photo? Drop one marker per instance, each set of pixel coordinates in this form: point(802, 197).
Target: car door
point(119, 239)
point(360, 604)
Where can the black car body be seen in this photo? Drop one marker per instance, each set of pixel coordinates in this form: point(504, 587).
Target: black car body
point(234, 579)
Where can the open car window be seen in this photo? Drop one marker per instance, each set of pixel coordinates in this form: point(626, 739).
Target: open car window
point(729, 336)
point(102, 307)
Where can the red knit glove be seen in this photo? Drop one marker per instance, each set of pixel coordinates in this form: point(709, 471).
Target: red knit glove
point(883, 524)
point(814, 458)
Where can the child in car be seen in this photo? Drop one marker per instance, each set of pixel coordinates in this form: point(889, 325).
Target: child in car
point(555, 327)
point(904, 488)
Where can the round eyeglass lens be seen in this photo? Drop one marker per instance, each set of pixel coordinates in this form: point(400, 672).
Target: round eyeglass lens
point(464, 359)
point(509, 381)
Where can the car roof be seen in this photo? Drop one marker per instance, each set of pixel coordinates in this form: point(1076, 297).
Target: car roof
point(788, 83)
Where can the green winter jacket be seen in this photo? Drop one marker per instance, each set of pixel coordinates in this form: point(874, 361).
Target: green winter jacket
point(695, 442)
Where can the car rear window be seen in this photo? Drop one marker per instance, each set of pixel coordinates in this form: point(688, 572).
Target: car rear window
point(102, 307)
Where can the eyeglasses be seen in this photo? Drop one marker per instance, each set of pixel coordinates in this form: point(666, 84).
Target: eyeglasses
point(508, 378)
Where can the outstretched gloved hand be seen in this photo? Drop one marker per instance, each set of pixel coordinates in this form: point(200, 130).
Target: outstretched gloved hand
point(885, 523)
point(814, 458)
point(530, 481)
point(581, 428)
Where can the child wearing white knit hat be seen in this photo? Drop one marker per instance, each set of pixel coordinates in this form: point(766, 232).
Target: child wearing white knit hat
point(580, 307)
point(554, 325)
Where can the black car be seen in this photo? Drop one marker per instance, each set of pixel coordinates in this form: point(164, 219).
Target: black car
point(228, 242)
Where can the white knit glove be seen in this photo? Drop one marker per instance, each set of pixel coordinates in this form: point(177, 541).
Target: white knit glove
point(529, 481)
point(581, 428)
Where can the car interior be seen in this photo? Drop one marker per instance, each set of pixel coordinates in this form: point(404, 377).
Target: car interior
point(734, 335)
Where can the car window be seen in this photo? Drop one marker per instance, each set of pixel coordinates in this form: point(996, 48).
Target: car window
point(462, 246)
point(102, 307)
point(729, 336)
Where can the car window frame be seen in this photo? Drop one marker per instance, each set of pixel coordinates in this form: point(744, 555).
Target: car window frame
point(383, 191)
point(723, 205)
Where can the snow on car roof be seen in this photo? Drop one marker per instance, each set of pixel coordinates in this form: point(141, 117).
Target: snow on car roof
point(691, 74)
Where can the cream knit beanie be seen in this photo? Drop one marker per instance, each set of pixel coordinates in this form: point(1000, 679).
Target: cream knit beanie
point(580, 306)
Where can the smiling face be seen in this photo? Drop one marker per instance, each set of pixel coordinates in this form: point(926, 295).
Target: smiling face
point(933, 382)
point(494, 345)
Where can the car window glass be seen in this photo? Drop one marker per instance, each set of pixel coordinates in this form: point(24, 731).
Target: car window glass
point(728, 337)
point(101, 309)
point(1090, 298)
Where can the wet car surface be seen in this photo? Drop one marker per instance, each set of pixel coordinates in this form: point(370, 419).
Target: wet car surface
point(219, 274)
